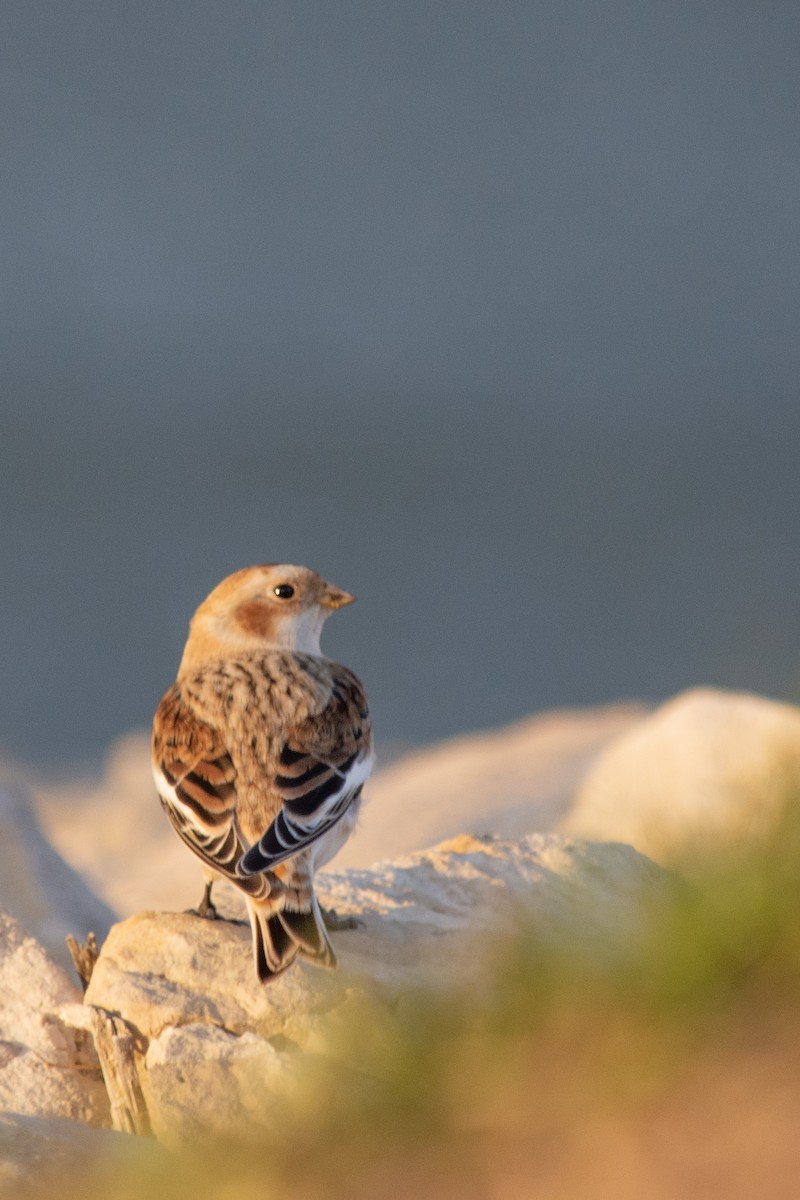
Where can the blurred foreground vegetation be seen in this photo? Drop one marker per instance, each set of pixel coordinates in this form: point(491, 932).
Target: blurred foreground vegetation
point(668, 1067)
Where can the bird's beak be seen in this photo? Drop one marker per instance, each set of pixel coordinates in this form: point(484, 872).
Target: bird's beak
point(333, 597)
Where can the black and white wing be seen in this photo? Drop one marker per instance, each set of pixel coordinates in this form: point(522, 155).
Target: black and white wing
point(196, 782)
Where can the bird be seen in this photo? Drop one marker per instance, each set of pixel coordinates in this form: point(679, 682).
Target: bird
point(260, 750)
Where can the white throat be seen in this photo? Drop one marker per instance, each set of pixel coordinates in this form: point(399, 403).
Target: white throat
point(301, 633)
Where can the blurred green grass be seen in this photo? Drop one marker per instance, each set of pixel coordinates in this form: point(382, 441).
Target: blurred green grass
point(663, 1066)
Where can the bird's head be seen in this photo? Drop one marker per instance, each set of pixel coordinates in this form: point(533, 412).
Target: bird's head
point(274, 605)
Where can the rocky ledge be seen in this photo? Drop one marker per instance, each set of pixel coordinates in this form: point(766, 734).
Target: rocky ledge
point(193, 1045)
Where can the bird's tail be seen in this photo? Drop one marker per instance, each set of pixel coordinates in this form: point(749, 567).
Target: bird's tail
point(279, 937)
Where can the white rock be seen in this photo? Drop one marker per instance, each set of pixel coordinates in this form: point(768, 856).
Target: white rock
point(47, 1068)
point(172, 969)
point(188, 1069)
point(418, 917)
point(709, 770)
point(511, 781)
point(33, 989)
point(40, 1152)
point(33, 1087)
point(428, 917)
point(219, 1046)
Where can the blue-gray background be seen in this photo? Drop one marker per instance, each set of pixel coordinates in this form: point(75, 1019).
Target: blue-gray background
point(489, 311)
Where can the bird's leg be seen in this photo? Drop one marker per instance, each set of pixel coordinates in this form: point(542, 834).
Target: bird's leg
point(206, 907)
point(333, 921)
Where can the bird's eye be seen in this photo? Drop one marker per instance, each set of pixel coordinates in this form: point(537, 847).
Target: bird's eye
point(284, 591)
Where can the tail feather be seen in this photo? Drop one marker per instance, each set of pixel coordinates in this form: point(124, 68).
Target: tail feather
point(279, 937)
point(273, 948)
point(308, 931)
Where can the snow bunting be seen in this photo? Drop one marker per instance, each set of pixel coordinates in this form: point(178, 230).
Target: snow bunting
point(260, 751)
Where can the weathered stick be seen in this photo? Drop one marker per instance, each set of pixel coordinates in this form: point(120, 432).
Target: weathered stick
point(84, 957)
point(118, 1044)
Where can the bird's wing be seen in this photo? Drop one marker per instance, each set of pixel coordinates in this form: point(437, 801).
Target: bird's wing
point(322, 766)
point(196, 782)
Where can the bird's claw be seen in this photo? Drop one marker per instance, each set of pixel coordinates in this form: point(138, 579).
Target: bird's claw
point(206, 908)
point(334, 922)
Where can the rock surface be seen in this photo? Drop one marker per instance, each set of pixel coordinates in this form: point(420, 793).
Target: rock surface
point(512, 781)
point(708, 771)
point(38, 887)
point(217, 1047)
point(47, 1068)
point(40, 1152)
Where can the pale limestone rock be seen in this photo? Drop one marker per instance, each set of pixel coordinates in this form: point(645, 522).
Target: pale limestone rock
point(38, 887)
point(41, 1152)
point(511, 781)
point(708, 771)
point(421, 920)
point(32, 991)
point(218, 1047)
point(427, 916)
point(47, 1068)
point(209, 1059)
point(34, 1087)
point(172, 969)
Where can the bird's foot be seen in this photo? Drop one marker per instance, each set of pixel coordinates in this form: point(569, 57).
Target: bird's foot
point(206, 908)
point(333, 921)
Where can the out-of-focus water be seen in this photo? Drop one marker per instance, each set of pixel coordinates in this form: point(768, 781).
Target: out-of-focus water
point(489, 314)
